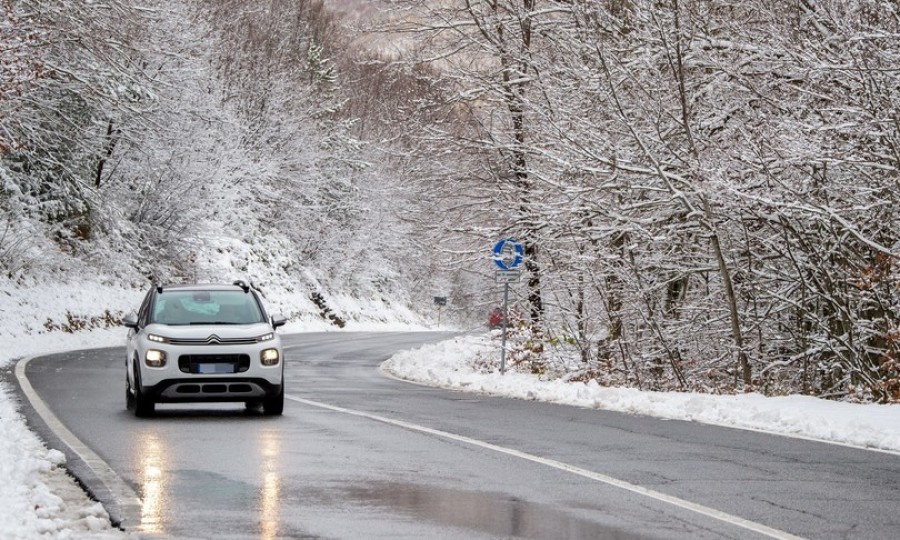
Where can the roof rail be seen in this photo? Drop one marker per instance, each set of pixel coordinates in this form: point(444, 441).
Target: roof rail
point(240, 283)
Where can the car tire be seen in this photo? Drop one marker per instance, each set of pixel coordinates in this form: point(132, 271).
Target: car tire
point(129, 396)
point(274, 405)
point(144, 405)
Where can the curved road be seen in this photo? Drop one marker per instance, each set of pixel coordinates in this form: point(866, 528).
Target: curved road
point(360, 455)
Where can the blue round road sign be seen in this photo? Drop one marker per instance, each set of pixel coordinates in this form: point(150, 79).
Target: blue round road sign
point(508, 254)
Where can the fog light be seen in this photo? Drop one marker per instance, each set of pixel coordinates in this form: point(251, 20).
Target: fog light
point(269, 357)
point(155, 358)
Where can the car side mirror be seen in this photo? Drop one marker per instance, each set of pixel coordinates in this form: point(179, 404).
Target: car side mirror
point(130, 321)
point(278, 320)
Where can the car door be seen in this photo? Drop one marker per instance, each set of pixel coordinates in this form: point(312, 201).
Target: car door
point(133, 333)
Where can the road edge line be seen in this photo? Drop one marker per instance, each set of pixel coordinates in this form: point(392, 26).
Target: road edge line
point(128, 502)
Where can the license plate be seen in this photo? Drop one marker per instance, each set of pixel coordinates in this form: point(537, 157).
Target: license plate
point(215, 368)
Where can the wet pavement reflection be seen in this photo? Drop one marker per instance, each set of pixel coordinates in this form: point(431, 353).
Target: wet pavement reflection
point(179, 498)
point(168, 489)
point(492, 513)
point(270, 495)
point(153, 483)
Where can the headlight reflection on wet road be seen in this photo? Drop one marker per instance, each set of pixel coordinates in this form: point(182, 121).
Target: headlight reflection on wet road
point(153, 482)
point(269, 500)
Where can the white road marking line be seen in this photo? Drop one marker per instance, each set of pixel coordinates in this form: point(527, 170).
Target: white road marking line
point(127, 500)
point(669, 499)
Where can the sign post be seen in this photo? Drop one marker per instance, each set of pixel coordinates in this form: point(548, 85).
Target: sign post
point(508, 255)
point(440, 301)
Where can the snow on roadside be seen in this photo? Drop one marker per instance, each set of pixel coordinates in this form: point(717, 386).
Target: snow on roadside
point(38, 498)
point(450, 363)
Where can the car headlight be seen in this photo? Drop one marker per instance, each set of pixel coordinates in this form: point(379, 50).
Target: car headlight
point(157, 339)
point(269, 357)
point(154, 358)
point(266, 337)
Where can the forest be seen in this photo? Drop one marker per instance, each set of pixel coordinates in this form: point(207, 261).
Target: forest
point(708, 192)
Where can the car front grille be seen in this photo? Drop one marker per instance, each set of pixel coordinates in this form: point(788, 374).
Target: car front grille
point(213, 340)
point(195, 363)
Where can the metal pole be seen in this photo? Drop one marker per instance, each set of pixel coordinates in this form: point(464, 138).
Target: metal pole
point(505, 317)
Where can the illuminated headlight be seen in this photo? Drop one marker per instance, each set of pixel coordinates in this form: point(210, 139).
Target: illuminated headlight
point(158, 339)
point(269, 357)
point(155, 358)
point(266, 337)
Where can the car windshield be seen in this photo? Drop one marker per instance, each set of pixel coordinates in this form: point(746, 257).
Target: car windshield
point(177, 307)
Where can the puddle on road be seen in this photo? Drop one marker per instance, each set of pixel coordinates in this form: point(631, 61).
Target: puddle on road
point(493, 513)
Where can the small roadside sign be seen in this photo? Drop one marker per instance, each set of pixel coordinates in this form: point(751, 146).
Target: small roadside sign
point(439, 302)
point(508, 276)
point(508, 255)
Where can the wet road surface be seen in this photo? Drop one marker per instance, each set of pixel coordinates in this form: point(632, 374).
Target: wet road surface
point(360, 455)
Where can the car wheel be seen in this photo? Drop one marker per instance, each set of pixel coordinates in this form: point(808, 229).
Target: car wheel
point(274, 405)
point(143, 405)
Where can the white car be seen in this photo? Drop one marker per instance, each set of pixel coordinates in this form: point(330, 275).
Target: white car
point(203, 343)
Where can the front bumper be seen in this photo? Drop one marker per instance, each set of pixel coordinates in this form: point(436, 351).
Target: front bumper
point(195, 389)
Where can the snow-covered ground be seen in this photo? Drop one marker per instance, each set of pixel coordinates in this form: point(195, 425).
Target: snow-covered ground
point(37, 497)
point(39, 500)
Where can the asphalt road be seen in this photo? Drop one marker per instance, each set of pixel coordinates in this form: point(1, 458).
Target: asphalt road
point(360, 455)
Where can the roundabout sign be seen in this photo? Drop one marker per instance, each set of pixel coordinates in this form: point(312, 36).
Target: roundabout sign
point(508, 254)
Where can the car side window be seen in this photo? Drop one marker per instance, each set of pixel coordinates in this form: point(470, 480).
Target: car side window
point(259, 305)
point(145, 307)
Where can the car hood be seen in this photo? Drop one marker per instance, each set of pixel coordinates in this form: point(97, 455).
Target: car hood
point(203, 331)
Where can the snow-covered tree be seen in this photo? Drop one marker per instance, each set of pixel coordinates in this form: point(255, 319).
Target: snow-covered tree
point(713, 184)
